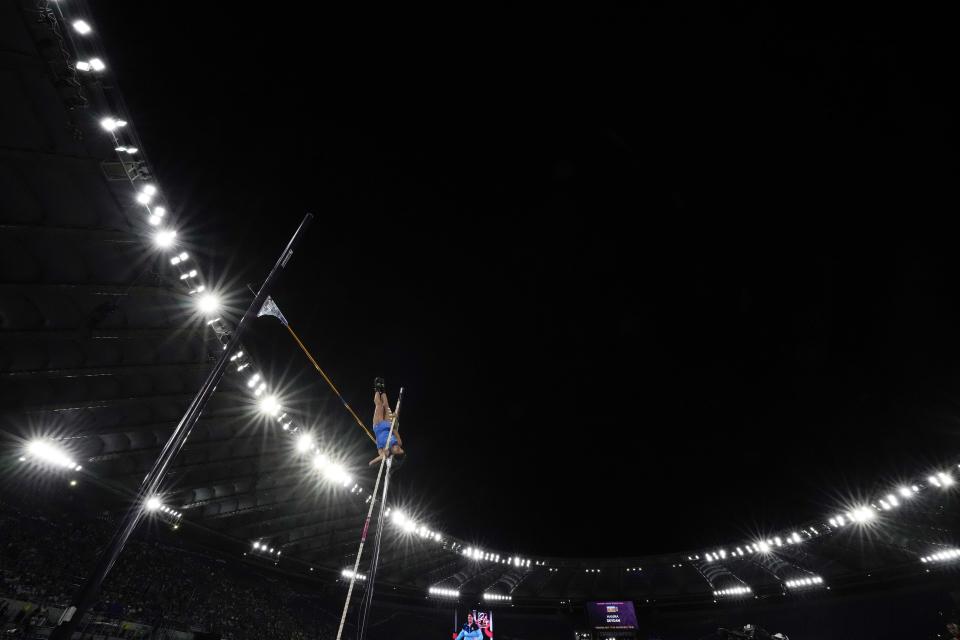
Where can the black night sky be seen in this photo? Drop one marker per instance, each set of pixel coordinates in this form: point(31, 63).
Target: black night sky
point(653, 280)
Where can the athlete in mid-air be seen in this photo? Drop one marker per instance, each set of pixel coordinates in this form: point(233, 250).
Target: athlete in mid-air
point(383, 418)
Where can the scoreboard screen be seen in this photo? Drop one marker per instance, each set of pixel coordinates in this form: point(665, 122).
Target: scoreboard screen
point(611, 616)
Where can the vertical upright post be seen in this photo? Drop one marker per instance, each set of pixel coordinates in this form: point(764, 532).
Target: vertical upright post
point(88, 591)
point(366, 523)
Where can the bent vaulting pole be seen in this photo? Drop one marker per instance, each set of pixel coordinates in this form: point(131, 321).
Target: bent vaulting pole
point(88, 591)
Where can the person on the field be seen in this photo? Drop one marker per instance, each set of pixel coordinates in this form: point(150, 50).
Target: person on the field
point(383, 418)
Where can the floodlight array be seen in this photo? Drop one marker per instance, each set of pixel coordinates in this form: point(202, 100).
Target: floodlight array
point(804, 583)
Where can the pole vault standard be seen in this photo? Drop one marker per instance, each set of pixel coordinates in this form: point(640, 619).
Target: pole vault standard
point(88, 591)
point(371, 581)
point(388, 459)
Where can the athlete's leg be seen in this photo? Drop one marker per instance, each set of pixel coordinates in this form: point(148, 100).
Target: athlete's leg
point(380, 407)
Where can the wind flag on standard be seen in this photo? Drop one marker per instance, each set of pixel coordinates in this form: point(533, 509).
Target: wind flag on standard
point(270, 308)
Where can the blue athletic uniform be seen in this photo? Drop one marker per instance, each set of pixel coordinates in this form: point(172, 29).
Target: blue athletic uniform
point(470, 632)
point(381, 429)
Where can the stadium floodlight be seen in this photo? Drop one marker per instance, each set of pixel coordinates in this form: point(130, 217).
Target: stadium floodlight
point(82, 27)
point(348, 573)
point(942, 556)
point(153, 503)
point(443, 593)
point(862, 515)
point(83, 65)
point(97, 64)
point(320, 461)
point(208, 303)
point(763, 546)
point(734, 591)
point(164, 238)
point(154, 220)
point(49, 453)
point(946, 479)
point(252, 382)
point(304, 443)
point(801, 583)
point(270, 405)
point(497, 597)
point(112, 124)
point(337, 473)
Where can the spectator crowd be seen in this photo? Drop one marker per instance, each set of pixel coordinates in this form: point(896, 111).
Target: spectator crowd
point(154, 584)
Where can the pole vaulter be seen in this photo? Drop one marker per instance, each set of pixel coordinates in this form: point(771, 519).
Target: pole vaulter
point(386, 451)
